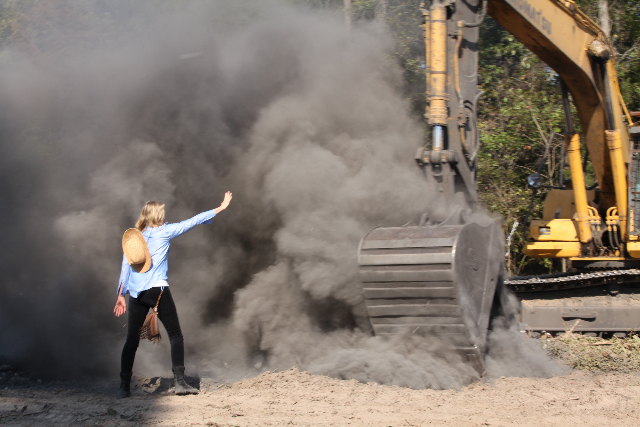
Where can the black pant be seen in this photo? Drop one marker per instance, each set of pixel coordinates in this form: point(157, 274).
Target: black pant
point(138, 310)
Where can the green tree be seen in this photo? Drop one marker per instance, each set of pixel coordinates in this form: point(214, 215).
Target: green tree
point(518, 112)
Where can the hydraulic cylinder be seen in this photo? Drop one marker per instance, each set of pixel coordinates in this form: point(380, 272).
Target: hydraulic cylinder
point(572, 142)
point(614, 141)
point(438, 112)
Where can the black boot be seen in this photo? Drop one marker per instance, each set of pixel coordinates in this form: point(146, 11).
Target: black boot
point(125, 385)
point(180, 385)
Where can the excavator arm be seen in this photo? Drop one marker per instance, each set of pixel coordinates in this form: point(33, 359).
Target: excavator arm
point(441, 275)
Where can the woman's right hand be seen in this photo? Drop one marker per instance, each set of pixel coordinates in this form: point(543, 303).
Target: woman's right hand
point(227, 199)
point(121, 306)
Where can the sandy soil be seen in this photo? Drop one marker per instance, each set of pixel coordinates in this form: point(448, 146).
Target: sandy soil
point(299, 398)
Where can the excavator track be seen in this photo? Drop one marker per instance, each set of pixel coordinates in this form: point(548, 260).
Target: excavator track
point(571, 280)
point(599, 303)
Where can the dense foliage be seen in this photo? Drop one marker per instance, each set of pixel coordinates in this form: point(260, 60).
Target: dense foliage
point(519, 111)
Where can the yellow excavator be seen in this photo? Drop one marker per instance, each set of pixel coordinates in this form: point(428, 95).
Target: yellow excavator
point(442, 274)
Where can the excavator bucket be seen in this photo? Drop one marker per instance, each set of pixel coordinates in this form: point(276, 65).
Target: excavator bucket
point(432, 281)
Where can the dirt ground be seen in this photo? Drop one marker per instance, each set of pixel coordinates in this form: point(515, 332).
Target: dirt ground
point(299, 398)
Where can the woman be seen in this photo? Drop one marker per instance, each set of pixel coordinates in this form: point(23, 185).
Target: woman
point(145, 288)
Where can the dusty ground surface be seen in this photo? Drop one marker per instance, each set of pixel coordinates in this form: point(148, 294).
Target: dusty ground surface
point(299, 398)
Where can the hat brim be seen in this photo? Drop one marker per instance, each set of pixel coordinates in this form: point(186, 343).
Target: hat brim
point(134, 233)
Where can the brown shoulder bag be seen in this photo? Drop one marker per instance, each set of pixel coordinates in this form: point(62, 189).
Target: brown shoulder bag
point(150, 329)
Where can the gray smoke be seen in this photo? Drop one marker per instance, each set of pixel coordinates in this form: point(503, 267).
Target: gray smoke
point(510, 354)
point(302, 121)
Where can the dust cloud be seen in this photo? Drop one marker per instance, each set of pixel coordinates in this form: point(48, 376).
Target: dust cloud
point(302, 121)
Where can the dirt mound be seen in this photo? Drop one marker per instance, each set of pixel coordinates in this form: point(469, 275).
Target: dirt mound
point(289, 379)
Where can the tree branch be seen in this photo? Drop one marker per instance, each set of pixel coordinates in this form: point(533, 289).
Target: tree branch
point(628, 52)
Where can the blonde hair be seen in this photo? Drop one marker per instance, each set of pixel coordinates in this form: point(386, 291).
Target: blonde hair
point(152, 215)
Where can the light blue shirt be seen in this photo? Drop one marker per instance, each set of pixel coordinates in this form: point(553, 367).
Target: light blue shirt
point(158, 239)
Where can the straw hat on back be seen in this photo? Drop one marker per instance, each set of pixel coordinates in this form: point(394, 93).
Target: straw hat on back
point(136, 250)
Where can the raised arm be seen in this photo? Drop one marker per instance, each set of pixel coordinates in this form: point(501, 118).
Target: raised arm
point(174, 230)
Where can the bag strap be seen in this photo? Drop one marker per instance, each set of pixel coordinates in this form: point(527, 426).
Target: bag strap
point(156, 307)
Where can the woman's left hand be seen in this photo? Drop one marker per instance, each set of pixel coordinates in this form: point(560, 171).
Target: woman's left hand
point(121, 306)
point(227, 199)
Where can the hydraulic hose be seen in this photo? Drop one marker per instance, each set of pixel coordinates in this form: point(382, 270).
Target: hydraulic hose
point(480, 17)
